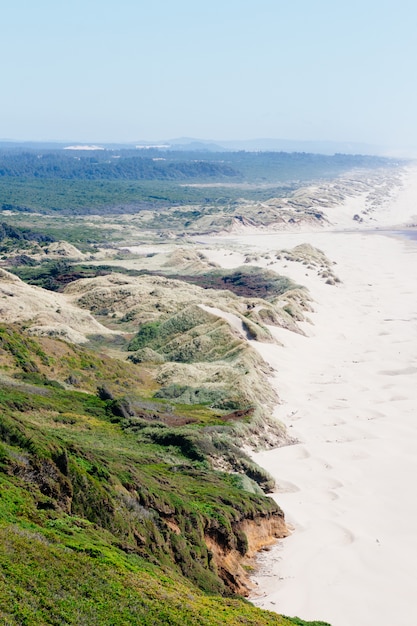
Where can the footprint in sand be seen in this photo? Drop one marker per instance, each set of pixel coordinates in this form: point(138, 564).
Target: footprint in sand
point(332, 483)
point(325, 464)
point(302, 453)
point(324, 497)
point(359, 456)
point(338, 535)
point(406, 371)
point(332, 496)
point(351, 439)
point(294, 416)
point(372, 415)
point(284, 486)
point(345, 536)
point(336, 407)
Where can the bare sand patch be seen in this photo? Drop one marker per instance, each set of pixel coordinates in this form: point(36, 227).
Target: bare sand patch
point(348, 394)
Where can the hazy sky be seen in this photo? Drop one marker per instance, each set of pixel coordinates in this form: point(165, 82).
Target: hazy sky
point(124, 70)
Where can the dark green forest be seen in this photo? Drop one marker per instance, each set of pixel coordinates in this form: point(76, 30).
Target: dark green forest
point(168, 165)
point(123, 181)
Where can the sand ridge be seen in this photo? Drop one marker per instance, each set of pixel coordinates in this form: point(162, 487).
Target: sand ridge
point(45, 312)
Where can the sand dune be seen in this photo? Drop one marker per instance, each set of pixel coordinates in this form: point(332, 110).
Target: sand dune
point(45, 312)
point(348, 391)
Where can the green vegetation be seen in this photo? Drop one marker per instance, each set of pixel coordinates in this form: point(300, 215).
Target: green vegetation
point(111, 509)
point(45, 360)
point(11, 236)
point(191, 335)
point(185, 394)
point(104, 166)
point(105, 509)
point(53, 274)
point(195, 356)
point(125, 182)
point(147, 334)
point(112, 591)
point(112, 197)
point(25, 351)
point(248, 282)
point(162, 165)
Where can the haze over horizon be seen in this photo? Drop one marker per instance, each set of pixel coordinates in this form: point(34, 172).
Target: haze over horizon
point(105, 72)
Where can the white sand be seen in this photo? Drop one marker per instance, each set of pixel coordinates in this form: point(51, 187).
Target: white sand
point(349, 394)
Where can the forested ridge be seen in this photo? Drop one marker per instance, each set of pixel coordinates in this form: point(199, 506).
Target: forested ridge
point(113, 167)
point(158, 165)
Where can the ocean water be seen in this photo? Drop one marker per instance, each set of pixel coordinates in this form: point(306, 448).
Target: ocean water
point(409, 234)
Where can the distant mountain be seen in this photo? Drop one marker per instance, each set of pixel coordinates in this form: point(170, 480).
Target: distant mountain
point(266, 145)
point(315, 147)
point(183, 144)
point(191, 144)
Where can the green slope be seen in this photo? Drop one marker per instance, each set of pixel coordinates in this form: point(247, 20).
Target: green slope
point(104, 517)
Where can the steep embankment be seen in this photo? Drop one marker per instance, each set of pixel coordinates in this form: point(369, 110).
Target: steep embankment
point(108, 515)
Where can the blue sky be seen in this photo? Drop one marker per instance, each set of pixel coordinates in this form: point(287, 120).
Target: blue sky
point(125, 70)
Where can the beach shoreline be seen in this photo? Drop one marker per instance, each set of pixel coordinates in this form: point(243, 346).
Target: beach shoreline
point(347, 391)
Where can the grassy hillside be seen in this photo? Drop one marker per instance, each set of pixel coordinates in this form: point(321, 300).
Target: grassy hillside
point(190, 333)
point(109, 512)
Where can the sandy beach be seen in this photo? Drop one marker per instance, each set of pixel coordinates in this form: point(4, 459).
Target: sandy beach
point(348, 391)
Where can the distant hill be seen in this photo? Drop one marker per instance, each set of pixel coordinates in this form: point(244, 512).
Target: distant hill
point(269, 145)
point(192, 144)
point(316, 147)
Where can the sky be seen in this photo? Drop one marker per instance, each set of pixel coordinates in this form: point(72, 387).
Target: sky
point(131, 70)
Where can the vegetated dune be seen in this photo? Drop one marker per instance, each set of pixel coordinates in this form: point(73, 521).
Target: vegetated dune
point(360, 197)
point(203, 335)
point(138, 501)
point(188, 261)
point(45, 312)
point(199, 263)
point(123, 509)
point(63, 250)
point(198, 338)
point(36, 246)
point(60, 363)
point(144, 298)
point(348, 200)
point(312, 261)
